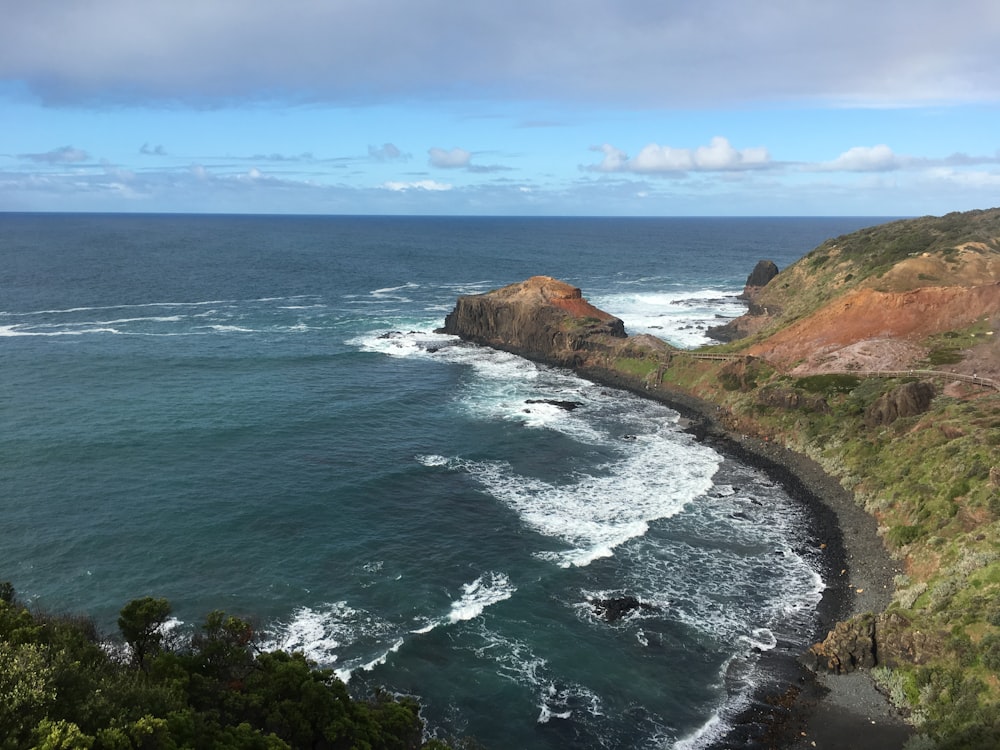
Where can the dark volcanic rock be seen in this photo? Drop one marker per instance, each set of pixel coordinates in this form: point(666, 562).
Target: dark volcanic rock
point(849, 646)
point(908, 400)
point(888, 639)
point(745, 325)
point(762, 273)
point(567, 405)
point(617, 607)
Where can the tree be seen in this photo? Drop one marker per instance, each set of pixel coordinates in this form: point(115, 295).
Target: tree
point(141, 624)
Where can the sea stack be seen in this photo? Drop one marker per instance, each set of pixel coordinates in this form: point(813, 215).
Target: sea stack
point(541, 318)
point(762, 273)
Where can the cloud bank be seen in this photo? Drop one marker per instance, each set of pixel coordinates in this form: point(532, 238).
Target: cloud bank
point(220, 52)
point(718, 156)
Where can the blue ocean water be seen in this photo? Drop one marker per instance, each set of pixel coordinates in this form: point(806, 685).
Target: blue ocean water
point(254, 414)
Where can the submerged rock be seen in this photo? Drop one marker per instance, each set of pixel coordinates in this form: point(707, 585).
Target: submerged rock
point(567, 405)
point(617, 607)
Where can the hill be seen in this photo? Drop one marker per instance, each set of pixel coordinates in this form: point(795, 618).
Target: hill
point(889, 297)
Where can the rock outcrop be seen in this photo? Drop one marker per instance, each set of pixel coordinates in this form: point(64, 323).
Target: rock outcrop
point(618, 607)
point(908, 400)
point(759, 277)
point(849, 646)
point(756, 317)
point(542, 319)
point(869, 640)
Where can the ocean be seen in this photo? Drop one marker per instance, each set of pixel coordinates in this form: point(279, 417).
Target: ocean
point(254, 414)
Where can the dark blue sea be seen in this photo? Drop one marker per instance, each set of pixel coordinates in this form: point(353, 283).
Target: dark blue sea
point(254, 414)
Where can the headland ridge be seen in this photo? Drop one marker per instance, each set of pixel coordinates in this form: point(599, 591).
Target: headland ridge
point(866, 377)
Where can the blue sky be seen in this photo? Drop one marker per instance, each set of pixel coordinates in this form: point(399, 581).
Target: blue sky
point(547, 107)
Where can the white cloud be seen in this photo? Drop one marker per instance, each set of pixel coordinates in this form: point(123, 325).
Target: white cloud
point(429, 185)
point(864, 159)
point(657, 158)
point(456, 158)
point(718, 156)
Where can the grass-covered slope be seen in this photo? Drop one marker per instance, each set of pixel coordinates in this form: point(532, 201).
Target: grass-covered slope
point(899, 296)
point(921, 453)
point(961, 249)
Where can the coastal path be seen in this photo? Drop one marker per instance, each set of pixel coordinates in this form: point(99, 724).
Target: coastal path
point(939, 374)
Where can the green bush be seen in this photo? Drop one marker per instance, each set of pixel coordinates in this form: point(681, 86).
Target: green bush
point(900, 536)
point(990, 652)
point(831, 383)
point(61, 689)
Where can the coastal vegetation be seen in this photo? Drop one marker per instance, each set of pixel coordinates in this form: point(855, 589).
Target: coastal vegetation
point(928, 471)
point(65, 687)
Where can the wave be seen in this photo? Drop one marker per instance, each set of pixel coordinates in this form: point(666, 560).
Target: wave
point(259, 315)
point(12, 331)
point(393, 292)
point(681, 317)
point(328, 635)
point(99, 308)
point(344, 674)
point(594, 514)
point(487, 590)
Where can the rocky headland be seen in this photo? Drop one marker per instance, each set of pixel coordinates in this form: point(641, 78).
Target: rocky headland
point(867, 377)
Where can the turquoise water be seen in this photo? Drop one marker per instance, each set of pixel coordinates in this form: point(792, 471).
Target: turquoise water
point(254, 414)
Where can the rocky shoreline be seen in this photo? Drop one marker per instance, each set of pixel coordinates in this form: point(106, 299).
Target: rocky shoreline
point(548, 321)
point(800, 708)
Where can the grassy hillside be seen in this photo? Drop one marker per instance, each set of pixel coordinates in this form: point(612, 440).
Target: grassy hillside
point(930, 476)
point(959, 248)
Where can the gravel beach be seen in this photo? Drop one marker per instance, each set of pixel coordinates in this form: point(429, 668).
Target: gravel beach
point(803, 709)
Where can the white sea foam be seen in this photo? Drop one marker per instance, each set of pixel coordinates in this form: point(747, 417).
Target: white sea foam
point(433, 460)
point(68, 310)
point(654, 474)
point(417, 340)
point(230, 329)
point(322, 634)
point(394, 292)
point(705, 735)
point(655, 479)
point(677, 315)
point(761, 639)
point(488, 589)
point(16, 330)
point(163, 318)
point(344, 674)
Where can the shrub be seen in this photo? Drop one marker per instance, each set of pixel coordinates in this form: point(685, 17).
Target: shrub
point(900, 536)
point(831, 383)
point(989, 652)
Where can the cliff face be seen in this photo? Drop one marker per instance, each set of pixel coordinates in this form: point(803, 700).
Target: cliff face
point(877, 298)
point(868, 329)
point(542, 319)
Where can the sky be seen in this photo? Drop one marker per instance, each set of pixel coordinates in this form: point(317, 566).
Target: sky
point(520, 107)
